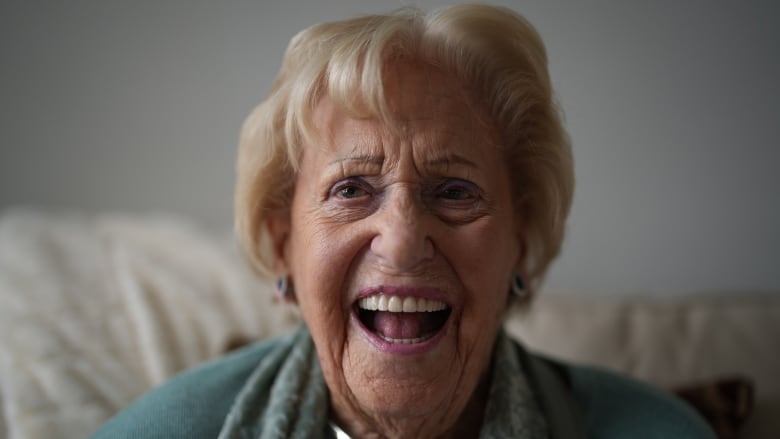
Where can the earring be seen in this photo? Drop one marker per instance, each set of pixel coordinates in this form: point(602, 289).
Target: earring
point(284, 290)
point(518, 286)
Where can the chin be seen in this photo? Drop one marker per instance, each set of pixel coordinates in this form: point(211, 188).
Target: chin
point(411, 379)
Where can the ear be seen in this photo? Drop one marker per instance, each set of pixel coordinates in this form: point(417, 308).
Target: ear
point(279, 232)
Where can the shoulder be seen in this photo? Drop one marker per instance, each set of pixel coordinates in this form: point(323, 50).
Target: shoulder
point(615, 406)
point(193, 404)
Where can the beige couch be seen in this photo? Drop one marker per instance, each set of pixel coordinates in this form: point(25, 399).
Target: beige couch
point(96, 310)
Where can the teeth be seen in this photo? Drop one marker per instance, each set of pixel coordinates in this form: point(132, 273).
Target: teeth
point(406, 340)
point(410, 305)
point(395, 304)
point(382, 302)
point(369, 303)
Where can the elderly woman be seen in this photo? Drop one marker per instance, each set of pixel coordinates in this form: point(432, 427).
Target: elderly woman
point(406, 180)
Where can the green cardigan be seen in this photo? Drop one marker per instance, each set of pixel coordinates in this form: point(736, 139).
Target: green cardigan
point(577, 401)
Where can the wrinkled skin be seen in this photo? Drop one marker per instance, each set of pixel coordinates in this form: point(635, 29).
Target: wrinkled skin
point(426, 204)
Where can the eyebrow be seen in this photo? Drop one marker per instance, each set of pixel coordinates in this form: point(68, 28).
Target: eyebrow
point(367, 159)
point(449, 160)
point(436, 162)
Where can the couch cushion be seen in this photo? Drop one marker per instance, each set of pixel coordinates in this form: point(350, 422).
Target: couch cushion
point(669, 342)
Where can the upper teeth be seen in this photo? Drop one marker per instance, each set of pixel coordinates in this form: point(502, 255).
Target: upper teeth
point(382, 302)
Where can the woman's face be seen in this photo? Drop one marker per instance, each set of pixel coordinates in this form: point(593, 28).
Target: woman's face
point(401, 245)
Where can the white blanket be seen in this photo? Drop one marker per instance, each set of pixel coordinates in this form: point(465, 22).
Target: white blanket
point(95, 311)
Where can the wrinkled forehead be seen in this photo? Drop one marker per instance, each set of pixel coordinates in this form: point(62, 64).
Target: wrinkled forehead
point(413, 89)
point(416, 99)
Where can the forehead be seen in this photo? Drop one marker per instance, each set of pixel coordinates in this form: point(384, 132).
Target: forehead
point(424, 107)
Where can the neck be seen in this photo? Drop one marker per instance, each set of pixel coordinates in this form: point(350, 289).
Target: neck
point(467, 423)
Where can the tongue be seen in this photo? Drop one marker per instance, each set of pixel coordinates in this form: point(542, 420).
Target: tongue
point(400, 324)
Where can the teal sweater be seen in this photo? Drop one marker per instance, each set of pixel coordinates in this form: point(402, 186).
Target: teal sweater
point(194, 404)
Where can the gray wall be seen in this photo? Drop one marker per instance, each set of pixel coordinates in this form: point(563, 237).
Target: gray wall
point(673, 108)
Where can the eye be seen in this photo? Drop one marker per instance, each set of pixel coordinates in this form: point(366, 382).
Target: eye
point(351, 192)
point(455, 193)
point(457, 190)
point(458, 201)
point(350, 189)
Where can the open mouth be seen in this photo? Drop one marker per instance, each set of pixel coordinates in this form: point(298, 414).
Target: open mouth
point(402, 320)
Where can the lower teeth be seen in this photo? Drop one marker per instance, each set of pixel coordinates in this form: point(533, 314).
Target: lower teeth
point(405, 340)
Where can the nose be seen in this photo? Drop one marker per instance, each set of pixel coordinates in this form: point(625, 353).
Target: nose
point(402, 241)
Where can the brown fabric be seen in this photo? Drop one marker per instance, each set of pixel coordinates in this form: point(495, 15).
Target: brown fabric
point(725, 403)
point(237, 342)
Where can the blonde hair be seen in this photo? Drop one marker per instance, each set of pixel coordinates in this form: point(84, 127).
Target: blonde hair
point(492, 50)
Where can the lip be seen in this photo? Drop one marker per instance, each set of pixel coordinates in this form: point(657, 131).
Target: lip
point(399, 348)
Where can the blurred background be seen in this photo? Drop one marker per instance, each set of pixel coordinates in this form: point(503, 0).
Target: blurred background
point(673, 109)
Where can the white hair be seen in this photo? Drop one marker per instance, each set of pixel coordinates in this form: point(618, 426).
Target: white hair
point(492, 50)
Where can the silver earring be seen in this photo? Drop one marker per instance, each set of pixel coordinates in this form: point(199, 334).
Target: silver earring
point(518, 286)
point(283, 288)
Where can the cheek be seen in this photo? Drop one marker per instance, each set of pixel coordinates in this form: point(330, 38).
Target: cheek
point(484, 252)
point(322, 253)
point(320, 261)
point(317, 266)
point(484, 255)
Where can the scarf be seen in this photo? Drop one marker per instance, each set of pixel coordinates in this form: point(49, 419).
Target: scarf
point(286, 396)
